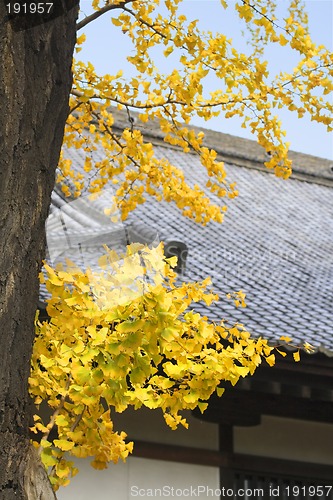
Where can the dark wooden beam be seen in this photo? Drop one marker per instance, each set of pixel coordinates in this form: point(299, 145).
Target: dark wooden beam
point(226, 439)
point(317, 364)
point(233, 461)
point(296, 375)
point(280, 467)
point(183, 454)
point(226, 447)
point(243, 407)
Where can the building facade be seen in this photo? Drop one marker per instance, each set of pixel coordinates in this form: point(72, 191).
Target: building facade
point(272, 434)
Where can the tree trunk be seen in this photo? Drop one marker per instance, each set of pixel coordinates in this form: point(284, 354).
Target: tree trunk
point(35, 81)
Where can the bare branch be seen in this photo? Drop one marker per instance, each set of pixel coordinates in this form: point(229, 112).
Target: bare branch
point(100, 12)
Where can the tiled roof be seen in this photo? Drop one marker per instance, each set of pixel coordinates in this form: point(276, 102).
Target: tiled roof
point(237, 150)
point(276, 244)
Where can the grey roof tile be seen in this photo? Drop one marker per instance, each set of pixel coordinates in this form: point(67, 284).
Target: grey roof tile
point(276, 244)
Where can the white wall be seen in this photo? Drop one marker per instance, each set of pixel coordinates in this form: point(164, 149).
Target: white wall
point(139, 477)
point(287, 438)
point(148, 425)
point(142, 479)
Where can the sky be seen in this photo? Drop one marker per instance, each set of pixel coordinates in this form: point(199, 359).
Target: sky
point(107, 48)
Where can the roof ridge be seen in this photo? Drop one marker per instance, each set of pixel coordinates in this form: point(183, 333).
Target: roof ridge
point(236, 150)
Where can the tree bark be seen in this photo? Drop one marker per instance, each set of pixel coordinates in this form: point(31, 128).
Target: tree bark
point(35, 81)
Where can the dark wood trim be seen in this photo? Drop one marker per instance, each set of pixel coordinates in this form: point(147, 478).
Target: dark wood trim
point(232, 461)
point(267, 465)
point(315, 370)
point(226, 439)
point(244, 408)
point(226, 447)
point(183, 454)
point(317, 363)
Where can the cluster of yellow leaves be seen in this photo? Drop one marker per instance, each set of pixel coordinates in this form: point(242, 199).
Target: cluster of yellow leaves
point(126, 336)
point(238, 298)
point(245, 88)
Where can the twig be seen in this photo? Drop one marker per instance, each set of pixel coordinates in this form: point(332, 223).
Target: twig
point(100, 12)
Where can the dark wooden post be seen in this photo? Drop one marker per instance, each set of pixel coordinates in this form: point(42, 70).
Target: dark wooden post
point(226, 447)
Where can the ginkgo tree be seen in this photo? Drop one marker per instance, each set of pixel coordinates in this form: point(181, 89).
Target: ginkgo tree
point(98, 356)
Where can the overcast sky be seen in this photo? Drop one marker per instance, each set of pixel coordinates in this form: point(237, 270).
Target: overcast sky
point(107, 48)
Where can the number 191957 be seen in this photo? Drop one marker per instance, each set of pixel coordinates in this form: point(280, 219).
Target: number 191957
point(29, 8)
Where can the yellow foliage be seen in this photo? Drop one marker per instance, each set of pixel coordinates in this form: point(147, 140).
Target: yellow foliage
point(147, 349)
point(246, 89)
point(296, 356)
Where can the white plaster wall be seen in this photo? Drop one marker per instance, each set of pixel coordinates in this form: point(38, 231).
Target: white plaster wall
point(142, 479)
point(287, 438)
point(139, 477)
point(91, 484)
point(148, 425)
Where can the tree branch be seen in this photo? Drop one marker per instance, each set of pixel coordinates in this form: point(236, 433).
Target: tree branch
point(56, 413)
point(100, 12)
